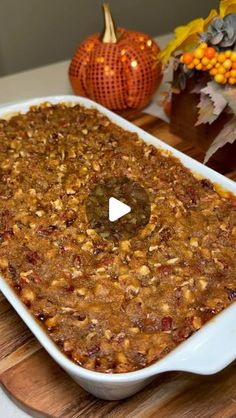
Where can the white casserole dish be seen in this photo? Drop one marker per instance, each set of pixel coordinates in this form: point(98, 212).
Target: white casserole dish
point(206, 352)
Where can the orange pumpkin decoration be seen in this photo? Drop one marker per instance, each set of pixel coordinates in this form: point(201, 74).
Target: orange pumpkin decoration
point(118, 69)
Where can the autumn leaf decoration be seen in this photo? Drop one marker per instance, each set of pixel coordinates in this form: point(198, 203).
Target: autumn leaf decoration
point(211, 104)
point(205, 49)
point(221, 97)
point(215, 98)
point(227, 135)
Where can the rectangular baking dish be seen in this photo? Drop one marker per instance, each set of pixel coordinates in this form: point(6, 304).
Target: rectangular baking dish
point(206, 352)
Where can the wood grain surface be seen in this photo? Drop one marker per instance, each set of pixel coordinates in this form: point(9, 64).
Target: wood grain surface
point(38, 385)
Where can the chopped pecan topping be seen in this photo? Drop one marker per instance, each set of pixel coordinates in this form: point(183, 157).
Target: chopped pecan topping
point(112, 307)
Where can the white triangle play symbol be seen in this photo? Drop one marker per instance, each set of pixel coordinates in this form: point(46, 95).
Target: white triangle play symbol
point(117, 209)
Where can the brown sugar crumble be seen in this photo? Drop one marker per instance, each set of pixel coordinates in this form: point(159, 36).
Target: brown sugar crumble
point(110, 307)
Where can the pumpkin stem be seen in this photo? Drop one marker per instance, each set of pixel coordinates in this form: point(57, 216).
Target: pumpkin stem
point(109, 34)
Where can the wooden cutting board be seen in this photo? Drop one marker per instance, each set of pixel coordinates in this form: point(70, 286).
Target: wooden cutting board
point(38, 385)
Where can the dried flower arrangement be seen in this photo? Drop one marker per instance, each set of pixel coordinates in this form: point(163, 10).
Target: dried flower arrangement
point(204, 51)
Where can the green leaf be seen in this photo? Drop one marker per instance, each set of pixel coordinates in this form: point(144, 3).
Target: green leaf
point(226, 135)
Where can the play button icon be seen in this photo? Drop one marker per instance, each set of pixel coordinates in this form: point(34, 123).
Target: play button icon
point(117, 208)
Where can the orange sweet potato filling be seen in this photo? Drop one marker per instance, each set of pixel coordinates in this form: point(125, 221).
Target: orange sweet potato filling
point(110, 307)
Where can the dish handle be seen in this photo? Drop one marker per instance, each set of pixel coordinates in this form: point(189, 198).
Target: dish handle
point(209, 351)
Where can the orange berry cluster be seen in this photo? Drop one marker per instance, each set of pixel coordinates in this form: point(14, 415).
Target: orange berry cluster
point(222, 66)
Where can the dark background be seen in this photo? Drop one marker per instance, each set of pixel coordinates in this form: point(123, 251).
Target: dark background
point(39, 32)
